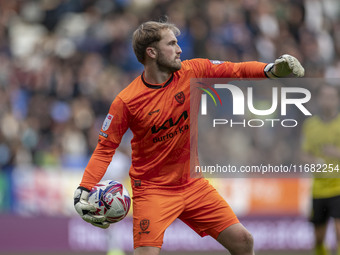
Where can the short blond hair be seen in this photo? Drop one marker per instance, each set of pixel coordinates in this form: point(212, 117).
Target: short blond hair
point(147, 34)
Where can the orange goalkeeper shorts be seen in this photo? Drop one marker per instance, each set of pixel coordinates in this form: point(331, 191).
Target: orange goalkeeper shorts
point(197, 204)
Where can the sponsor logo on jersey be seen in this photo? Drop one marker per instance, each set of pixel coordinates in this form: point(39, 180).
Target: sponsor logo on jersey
point(152, 112)
point(107, 122)
point(180, 97)
point(169, 123)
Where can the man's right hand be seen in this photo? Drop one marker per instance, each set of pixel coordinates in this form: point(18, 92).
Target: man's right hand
point(83, 208)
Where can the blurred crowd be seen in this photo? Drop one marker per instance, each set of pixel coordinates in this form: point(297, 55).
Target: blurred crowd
point(62, 62)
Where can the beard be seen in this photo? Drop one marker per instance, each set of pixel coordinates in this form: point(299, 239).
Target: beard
point(166, 65)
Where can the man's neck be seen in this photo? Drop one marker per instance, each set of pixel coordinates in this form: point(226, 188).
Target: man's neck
point(153, 75)
point(329, 116)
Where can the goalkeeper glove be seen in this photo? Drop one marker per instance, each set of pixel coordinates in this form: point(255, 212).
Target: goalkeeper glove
point(84, 208)
point(283, 66)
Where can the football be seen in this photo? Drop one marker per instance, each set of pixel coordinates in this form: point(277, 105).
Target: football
point(111, 199)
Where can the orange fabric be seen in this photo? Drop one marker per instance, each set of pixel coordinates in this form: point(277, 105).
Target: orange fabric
point(197, 204)
point(159, 117)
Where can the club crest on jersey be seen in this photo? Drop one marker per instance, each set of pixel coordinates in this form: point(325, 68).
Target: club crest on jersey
point(180, 97)
point(144, 225)
point(107, 122)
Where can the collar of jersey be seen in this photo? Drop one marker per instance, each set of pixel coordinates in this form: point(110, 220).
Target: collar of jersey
point(157, 86)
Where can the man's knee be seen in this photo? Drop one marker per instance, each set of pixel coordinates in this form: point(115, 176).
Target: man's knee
point(248, 240)
point(320, 233)
point(244, 242)
point(237, 239)
point(147, 250)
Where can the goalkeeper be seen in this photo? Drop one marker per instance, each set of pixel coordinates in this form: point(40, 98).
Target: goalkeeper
point(156, 103)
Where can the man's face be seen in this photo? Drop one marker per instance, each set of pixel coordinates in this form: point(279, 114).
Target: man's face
point(328, 99)
point(168, 52)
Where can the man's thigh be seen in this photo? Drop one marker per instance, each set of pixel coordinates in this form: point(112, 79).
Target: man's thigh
point(206, 211)
point(153, 212)
point(334, 207)
point(320, 211)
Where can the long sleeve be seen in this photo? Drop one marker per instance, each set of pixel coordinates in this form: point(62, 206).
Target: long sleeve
point(97, 165)
point(114, 126)
point(252, 69)
point(205, 68)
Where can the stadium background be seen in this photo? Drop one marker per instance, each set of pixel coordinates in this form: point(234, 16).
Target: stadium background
point(61, 64)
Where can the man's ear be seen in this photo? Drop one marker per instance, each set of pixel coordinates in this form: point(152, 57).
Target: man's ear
point(151, 52)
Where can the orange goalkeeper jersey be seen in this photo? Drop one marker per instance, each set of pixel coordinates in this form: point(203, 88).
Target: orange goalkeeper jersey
point(159, 117)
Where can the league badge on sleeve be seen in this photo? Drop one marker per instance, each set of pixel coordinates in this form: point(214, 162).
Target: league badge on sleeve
point(107, 122)
point(216, 62)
